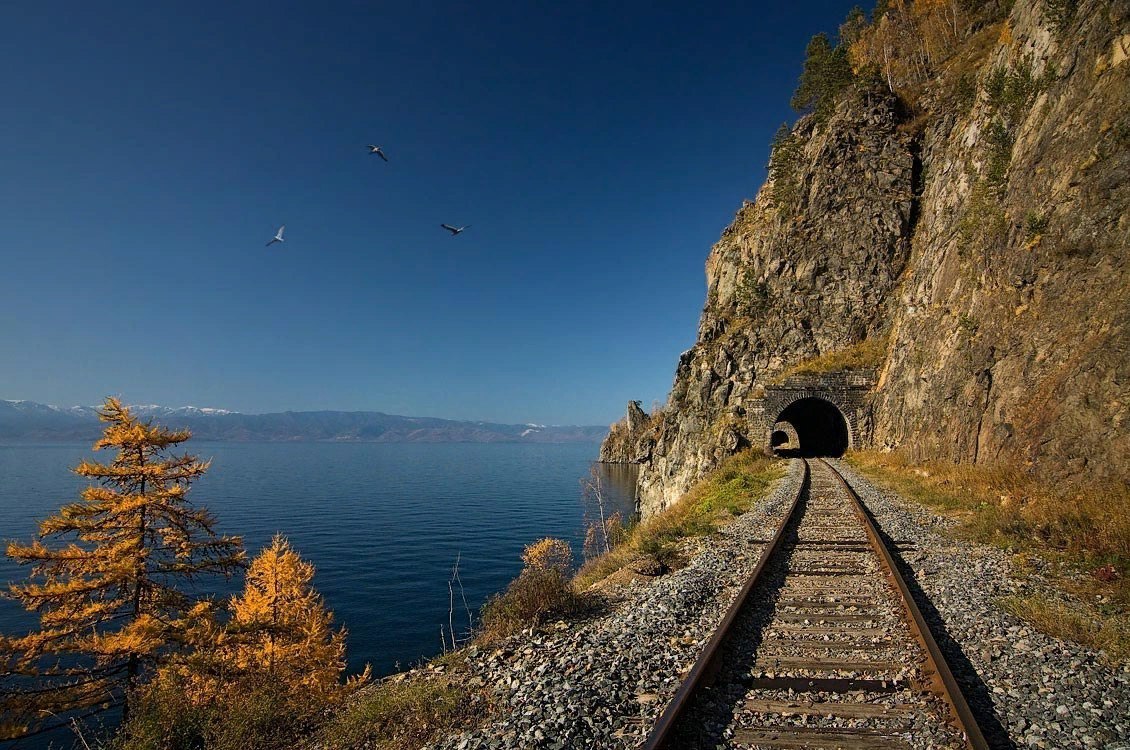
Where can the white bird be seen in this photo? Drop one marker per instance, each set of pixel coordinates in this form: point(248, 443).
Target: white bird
point(278, 236)
point(377, 150)
point(454, 230)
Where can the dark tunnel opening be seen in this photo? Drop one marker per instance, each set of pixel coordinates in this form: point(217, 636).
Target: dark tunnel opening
point(779, 437)
point(821, 428)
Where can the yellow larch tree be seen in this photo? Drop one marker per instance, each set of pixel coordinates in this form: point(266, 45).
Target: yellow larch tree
point(258, 672)
point(116, 598)
point(280, 627)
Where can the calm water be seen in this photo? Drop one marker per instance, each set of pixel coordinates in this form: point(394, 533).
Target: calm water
point(382, 523)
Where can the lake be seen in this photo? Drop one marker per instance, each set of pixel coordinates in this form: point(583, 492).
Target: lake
point(383, 523)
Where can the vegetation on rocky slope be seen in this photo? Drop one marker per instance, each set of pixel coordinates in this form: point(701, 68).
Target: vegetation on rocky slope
point(868, 354)
point(403, 712)
point(1083, 534)
point(728, 491)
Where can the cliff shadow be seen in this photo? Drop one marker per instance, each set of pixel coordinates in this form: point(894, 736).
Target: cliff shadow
point(977, 693)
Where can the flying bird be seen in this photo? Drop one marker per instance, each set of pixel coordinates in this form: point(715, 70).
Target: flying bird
point(278, 236)
point(377, 150)
point(454, 230)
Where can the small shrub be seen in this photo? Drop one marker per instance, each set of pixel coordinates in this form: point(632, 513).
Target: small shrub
point(662, 550)
point(968, 324)
point(543, 590)
point(753, 296)
point(534, 597)
point(1035, 224)
point(1060, 13)
point(548, 554)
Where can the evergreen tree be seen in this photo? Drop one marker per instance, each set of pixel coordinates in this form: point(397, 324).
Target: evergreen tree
point(853, 27)
point(114, 600)
point(784, 161)
point(826, 73)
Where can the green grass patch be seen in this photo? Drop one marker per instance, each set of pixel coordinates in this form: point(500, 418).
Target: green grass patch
point(728, 491)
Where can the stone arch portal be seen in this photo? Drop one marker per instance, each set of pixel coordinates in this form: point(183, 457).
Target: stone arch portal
point(819, 427)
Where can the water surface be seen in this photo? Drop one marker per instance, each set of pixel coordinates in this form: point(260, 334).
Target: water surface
point(383, 523)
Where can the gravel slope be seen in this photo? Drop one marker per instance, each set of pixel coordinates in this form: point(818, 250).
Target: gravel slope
point(1029, 689)
point(601, 683)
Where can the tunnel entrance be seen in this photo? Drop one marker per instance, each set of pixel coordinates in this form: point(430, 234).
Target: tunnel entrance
point(820, 426)
point(778, 439)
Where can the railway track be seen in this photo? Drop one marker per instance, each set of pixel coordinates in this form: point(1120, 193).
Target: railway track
point(823, 648)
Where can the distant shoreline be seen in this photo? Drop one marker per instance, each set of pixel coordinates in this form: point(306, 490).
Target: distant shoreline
point(28, 421)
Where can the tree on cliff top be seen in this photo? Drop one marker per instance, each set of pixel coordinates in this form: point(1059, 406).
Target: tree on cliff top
point(113, 601)
point(826, 73)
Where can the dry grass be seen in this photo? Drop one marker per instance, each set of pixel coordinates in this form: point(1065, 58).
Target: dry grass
point(728, 491)
point(402, 714)
point(1085, 534)
point(1069, 621)
point(865, 355)
point(536, 596)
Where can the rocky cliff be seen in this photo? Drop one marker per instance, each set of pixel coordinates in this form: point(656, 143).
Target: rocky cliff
point(970, 233)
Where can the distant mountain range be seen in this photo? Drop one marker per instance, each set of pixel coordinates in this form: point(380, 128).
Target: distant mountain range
point(28, 421)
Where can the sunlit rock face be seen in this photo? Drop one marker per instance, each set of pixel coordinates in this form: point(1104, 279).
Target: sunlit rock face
point(787, 284)
point(1004, 306)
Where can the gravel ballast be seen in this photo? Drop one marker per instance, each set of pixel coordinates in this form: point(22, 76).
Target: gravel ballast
point(602, 683)
point(1027, 688)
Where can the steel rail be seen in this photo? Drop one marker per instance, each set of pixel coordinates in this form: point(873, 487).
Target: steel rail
point(942, 679)
point(705, 668)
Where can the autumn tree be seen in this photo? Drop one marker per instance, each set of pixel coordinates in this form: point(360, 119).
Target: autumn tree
point(907, 41)
point(115, 599)
point(280, 626)
point(258, 672)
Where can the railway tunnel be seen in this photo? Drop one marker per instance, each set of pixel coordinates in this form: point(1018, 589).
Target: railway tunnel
point(810, 426)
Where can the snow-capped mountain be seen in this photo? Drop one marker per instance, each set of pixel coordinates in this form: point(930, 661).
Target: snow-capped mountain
point(155, 410)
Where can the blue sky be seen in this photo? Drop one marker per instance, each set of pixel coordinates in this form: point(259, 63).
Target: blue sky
point(597, 150)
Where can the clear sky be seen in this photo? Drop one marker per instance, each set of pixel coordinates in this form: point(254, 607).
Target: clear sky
point(149, 150)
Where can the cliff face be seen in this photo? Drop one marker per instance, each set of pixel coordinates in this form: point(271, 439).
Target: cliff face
point(628, 441)
point(785, 285)
point(978, 244)
point(1011, 339)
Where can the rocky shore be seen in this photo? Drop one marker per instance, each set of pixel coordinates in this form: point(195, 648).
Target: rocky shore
point(602, 682)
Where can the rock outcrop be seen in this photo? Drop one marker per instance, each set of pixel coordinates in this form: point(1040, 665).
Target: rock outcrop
point(992, 259)
point(629, 441)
